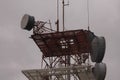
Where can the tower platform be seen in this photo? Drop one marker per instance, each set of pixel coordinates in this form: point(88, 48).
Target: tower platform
point(79, 72)
point(63, 43)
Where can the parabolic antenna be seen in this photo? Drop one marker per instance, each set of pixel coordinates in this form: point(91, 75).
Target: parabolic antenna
point(99, 71)
point(27, 22)
point(98, 49)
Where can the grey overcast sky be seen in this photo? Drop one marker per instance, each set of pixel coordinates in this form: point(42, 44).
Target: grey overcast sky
point(18, 52)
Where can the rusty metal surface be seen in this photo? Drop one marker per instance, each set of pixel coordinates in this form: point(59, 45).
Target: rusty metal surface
point(63, 43)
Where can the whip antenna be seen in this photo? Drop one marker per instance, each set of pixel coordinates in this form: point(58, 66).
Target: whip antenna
point(57, 16)
point(88, 15)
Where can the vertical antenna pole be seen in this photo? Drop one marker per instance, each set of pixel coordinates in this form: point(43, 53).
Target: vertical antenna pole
point(88, 14)
point(57, 15)
point(63, 16)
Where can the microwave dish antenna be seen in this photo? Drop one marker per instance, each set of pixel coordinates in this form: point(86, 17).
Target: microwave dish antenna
point(98, 46)
point(99, 71)
point(27, 22)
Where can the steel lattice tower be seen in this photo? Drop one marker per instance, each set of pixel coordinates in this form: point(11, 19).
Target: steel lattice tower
point(66, 55)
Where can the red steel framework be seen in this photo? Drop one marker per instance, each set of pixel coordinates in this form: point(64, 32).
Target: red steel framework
point(65, 54)
point(63, 43)
point(58, 47)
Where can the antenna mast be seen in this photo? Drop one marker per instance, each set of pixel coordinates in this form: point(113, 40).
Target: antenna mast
point(57, 15)
point(63, 15)
point(88, 14)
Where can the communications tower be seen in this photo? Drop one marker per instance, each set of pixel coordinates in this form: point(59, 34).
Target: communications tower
point(66, 55)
